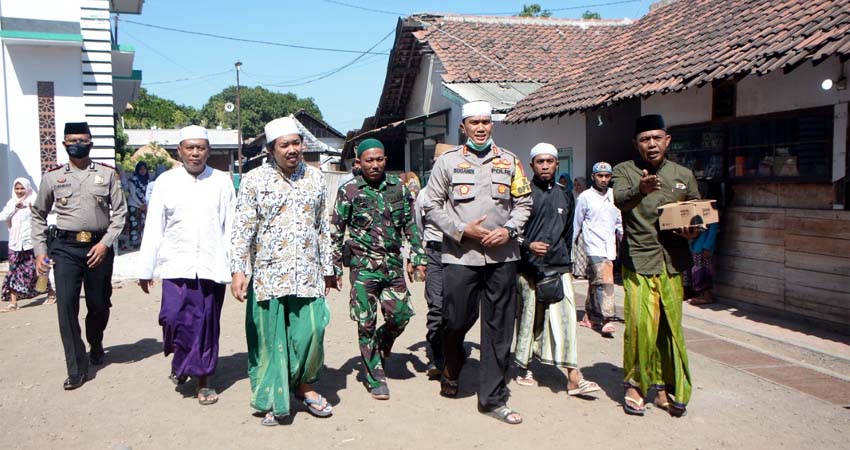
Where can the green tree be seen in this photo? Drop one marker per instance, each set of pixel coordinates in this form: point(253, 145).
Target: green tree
point(534, 10)
point(588, 14)
point(259, 106)
point(150, 110)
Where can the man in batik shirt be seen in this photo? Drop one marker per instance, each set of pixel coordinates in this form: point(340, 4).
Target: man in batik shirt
point(281, 243)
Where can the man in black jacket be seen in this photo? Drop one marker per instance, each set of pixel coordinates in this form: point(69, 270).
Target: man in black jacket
point(547, 324)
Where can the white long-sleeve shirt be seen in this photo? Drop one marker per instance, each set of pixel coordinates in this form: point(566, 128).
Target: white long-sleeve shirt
point(600, 221)
point(19, 220)
point(187, 231)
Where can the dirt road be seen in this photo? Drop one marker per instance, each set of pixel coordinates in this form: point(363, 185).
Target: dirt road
point(130, 403)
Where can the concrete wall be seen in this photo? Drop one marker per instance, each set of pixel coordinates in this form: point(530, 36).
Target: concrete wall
point(565, 131)
point(681, 108)
point(61, 10)
point(23, 67)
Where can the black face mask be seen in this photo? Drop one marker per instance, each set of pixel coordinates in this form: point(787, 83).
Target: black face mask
point(78, 150)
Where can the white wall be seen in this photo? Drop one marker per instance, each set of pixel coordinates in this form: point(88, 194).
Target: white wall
point(427, 94)
point(565, 131)
point(799, 89)
point(680, 108)
point(26, 65)
point(61, 10)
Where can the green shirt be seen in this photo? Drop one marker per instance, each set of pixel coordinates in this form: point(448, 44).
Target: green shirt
point(646, 248)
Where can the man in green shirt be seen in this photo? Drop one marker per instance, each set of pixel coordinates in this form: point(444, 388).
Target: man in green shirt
point(654, 353)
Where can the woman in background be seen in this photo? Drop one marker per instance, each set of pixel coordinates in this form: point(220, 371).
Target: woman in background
point(21, 279)
point(136, 201)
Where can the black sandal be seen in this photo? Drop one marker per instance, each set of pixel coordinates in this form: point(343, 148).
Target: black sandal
point(448, 388)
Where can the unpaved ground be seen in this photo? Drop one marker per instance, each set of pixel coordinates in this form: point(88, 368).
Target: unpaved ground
point(130, 404)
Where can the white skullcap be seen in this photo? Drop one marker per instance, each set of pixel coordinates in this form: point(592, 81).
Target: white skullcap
point(478, 108)
point(281, 127)
point(193, 132)
point(544, 149)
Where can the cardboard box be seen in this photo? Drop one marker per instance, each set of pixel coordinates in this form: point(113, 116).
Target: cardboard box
point(691, 213)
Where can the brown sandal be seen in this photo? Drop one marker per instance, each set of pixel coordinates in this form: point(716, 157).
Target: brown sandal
point(448, 388)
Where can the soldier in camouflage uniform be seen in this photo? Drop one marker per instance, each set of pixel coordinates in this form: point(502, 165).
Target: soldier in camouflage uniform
point(378, 211)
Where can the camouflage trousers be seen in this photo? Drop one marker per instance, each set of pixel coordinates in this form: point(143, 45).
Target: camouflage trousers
point(370, 288)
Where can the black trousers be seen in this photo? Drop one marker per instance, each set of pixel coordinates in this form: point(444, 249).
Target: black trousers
point(72, 272)
point(434, 298)
point(492, 289)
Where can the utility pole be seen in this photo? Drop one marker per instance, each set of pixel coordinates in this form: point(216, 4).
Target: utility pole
point(239, 121)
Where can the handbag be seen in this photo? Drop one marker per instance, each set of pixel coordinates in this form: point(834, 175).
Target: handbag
point(550, 288)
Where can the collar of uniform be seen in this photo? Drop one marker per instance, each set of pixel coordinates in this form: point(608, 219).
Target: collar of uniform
point(387, 180)
point(493, 153)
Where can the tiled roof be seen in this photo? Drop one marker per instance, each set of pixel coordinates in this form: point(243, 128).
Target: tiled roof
point(497, 49)
point(688, 43)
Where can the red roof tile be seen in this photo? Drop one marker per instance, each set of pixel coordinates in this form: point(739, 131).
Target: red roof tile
point(500, 49)
point(688, 43)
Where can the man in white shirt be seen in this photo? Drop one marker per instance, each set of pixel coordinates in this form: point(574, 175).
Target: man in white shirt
point(188, 233)
point(602, 226)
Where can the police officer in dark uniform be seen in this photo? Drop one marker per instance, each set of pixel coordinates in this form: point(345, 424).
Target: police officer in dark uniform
point(90, 212)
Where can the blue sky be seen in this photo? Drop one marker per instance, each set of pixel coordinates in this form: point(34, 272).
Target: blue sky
point(206, 65)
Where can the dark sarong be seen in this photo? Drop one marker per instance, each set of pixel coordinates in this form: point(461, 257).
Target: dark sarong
point(189, 317)
point(21, 277)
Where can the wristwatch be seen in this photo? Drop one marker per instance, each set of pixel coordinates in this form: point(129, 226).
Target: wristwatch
point(512, 233)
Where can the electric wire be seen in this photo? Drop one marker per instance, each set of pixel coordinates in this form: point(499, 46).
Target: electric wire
point(251, 41)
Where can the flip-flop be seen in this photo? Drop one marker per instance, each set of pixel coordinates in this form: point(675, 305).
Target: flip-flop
point(51, 299)
point(636, 410)
point(324, 412)
point(586, 323)
point(206, 392)
point(584, 387)
point(269, 420)
point(608, 329)
point(10, 308)
point(502, 414)
point(526, 378)
point(177, 380)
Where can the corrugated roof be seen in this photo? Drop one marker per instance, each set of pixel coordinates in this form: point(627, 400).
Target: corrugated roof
point(502, 96)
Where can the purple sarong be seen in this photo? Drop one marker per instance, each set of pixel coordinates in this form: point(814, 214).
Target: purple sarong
point(189, 317)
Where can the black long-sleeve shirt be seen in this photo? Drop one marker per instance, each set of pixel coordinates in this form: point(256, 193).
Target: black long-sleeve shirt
point(551, 221)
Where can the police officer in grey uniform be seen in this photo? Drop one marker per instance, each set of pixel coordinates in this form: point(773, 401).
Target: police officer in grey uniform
point(90, 212)
point(479, 197)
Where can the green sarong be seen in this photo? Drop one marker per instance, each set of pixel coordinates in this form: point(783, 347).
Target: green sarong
point(285, 347)
point(654, 352)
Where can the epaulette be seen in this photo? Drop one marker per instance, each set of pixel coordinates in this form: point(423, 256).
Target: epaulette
point(55, 168)
point(105, 165)
point(454, 149)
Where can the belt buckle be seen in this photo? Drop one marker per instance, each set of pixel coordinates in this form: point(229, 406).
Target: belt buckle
point(83, 236)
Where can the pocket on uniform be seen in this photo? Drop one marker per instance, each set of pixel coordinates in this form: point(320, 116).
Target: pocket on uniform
point(101, 195)
point(361, 220)
point(62, 196)
point(462, 186)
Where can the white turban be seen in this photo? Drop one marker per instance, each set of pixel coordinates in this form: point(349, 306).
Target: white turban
point(478, 108)
point(544, 149)
point(193, 132)
point(281, 127)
